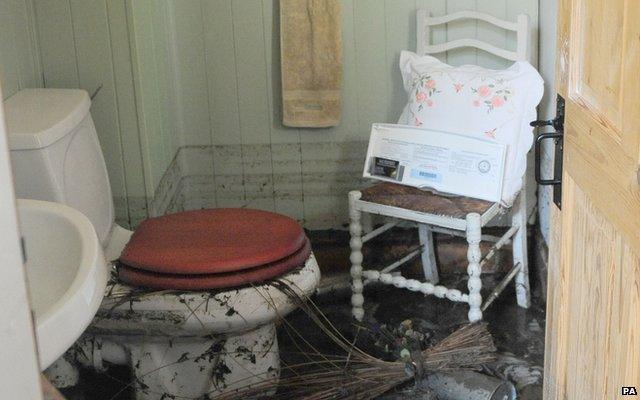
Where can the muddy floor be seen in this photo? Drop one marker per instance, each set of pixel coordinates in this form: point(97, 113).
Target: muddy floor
point(515, 330)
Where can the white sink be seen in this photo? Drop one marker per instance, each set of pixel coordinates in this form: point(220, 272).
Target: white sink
point(66, 272)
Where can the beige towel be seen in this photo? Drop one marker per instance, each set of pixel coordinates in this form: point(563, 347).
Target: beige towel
point(311, 53)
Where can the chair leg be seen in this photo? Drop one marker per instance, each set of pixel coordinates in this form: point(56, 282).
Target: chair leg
point(355, 229)
point(519, 218)
point(474, 233)
point(428, 254)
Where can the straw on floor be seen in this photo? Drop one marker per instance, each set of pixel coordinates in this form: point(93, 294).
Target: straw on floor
point(351, 373)
point(356, 374)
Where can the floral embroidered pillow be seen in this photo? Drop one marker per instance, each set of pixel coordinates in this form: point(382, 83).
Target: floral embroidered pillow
point(495, 105)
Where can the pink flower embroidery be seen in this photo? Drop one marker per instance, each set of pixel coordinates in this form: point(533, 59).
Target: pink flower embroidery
point(492, 95)
point(491, 134)
point(484, 91)
point(425, 89)
point(458, 87)
point(497, 101)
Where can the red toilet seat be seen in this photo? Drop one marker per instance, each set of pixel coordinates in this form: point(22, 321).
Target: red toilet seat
point(210, 249)
point(137, 277)
point(212, 241)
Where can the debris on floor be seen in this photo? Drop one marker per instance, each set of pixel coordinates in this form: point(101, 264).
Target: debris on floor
point(395, 320)
point(526, 377)
point(344, 371)
point(456, 385)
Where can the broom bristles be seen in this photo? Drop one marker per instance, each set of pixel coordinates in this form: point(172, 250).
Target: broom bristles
point(360, 375)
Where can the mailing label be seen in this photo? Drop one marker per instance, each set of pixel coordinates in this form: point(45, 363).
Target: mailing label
point(445, 161)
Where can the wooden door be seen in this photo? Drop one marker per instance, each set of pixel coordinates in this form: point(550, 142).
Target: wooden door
point(593, 310)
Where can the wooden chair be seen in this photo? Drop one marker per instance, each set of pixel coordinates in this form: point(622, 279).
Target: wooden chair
point(459, 216)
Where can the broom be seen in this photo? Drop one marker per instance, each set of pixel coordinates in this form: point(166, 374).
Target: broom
point(359, 375)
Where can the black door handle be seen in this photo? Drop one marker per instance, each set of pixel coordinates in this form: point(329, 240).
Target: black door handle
point(538, 173)
point(558, 124)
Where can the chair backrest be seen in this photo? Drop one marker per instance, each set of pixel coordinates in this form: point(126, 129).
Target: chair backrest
point(521, 27)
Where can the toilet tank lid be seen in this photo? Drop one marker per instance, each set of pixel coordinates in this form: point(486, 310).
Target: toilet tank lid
point(36, 118)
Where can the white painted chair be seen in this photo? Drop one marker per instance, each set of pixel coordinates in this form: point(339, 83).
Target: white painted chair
point(459, 216)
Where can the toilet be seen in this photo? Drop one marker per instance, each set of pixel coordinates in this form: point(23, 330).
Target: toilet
point(195, 296)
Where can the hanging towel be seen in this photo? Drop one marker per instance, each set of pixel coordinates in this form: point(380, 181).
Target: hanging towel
point(311, 56)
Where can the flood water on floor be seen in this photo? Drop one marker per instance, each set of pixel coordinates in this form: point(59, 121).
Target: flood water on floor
point(515, 330)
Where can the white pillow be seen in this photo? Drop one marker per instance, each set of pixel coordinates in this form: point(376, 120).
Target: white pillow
point(496, 105)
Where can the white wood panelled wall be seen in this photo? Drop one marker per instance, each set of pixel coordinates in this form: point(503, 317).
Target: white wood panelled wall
point(19, 62)
point(218, 65)
point(85, 44)
point(206, 78)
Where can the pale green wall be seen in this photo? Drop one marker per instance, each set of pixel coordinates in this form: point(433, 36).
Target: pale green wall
point(206, 73)
point(85, 44)
point(547, 109)
point(218, 81)
point(19, 63)
point(149, 23)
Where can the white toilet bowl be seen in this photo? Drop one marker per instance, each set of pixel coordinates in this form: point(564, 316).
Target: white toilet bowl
point(185, 344)
point(194, 343)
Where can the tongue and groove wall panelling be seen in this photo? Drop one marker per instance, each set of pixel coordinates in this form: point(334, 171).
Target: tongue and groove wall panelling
point(126, 110)
point(147, 22)
point(208, 96)
point(84, 44)
point(529, 7)
point(95, 74)
point(57, 43)
point(192, 117)
point(306, 173)
point(286, 154)
point(223, 103)
point(19, 57)
point(253, 103)
point(332, 157)
point(398, 13)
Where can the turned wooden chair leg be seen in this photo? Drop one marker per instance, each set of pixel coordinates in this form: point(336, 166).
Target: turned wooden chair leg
point(519, 218)
point(355, 229)
point(428, 254)
point(474, 233)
